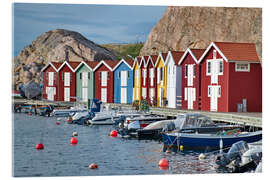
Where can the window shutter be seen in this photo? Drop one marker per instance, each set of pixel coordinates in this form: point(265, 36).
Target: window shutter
point(80, 75)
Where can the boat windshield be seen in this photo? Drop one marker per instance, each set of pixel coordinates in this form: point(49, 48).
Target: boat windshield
point(239, 147)
point(194, 120)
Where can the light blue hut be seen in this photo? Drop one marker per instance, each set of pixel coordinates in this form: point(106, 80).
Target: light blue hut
point(123, 82)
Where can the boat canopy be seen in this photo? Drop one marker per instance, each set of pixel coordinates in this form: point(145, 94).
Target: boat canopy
point(193, 120)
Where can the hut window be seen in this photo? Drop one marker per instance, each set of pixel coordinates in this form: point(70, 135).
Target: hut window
point(209, 91)
point(208, 67)
point(46, 75)
point(162, 74)
point(128, 74)
point(99, 75)
point(194, 70)
point(62, 76)
point(108, 75)
point(221, 67)
point(219, 91)
point(186, 70)
point(119, 74)
point(88, 75)
point(80, 75)
point(70, 76)
point(242, 67)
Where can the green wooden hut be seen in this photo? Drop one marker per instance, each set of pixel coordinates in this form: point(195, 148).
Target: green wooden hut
point(85, 88)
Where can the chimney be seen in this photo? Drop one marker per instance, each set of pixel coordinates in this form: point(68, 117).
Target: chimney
point(66, 53)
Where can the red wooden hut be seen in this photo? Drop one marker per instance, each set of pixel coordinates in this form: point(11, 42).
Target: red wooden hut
point(67, 81)
point(191, 78)
point(51, 81)
point(151, 80)
point(144, 75)
point(104, 80)
point(231, 78)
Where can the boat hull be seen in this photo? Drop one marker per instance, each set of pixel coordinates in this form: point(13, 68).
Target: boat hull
point(203, 141)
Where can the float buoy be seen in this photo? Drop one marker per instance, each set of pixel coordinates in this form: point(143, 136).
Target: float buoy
point(93, 166)
point(69, 119)
point(75, 134)
point(57, 123)
point(30, 113)
point(201, 156)
point(73, 141)
point(113, 133)
point(39, 146)
point(181, 148)
point(163, 163)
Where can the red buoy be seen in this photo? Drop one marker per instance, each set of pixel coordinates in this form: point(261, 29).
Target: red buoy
point(39, 146)
point(57, 123)
point(73, 140)
point(93, 166)
point(163, 163)
point(113, 133)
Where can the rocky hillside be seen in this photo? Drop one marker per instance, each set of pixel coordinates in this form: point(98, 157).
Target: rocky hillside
point(196, 27)
point(52, 46)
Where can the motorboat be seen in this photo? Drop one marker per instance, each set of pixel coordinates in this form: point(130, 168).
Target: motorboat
point(144, 119)
point(190, 122)
point(196, 131)
point(241, 157)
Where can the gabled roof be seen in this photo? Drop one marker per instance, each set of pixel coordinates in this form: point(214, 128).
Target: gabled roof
point(231, 51)
point(195, 54)
point(137, 60)
point(110, 64)
point(55, 66)
point(153, 59)
point(162, 56)
point(128, 62)
point(89, 64)
point(143, 61)
point(176, 56)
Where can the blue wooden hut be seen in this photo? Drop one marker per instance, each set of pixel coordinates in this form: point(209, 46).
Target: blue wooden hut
point(123, 81)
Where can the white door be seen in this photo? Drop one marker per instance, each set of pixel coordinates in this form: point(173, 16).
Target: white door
point(104, 95)
point(104, 76)
point(144, 93)
point(191, 96)
point(50, 93)
point(161, 95)
point(51, 78)
point(67, 94)
point(84, 94)
point(85, 79)
point(190, 74)
point(214, 98)
point(67, 79)
point(171, 96)
point(214, 71)
point(152, 93)
point(123, 95)
point(152, 75)
point(123, 78)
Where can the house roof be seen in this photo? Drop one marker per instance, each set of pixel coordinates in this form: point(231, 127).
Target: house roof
point(111, 63)
point(162, 56)
point(197, 53)
point(92, 64)
point(238, 51)
point(232, 51)
point(56, 64)
point(130, 62)
point(177, 56)
point(154, 58)
point(73, 64)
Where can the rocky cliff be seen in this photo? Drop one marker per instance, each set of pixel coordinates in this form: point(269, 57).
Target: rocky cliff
point(196, 27)
point(52, 46)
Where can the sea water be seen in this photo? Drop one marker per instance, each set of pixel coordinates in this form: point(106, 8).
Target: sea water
point(114, 156)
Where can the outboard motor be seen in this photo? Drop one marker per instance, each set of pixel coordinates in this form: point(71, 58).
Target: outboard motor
point(235, 153)
point(169, 127)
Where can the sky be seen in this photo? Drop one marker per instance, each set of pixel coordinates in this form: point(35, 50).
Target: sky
point(99, 23)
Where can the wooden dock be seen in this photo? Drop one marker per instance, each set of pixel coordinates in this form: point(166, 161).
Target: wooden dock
point(249, 119)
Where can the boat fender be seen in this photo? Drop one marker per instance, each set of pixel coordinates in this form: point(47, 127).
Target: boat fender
point(181, 148)
point(113, 133)
point(201, 156)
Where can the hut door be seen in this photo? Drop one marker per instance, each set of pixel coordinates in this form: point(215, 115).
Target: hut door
point(67, 94)
point(123, 95)
point(152, 93)
point(214, 98)
point(84, 94)
point(104, 95)
point(50, 93)
point(190, 97)
point(123, 78)
point(190, 74)
point(161, 95)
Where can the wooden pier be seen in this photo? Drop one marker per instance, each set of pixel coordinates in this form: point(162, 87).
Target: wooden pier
point(248, 119)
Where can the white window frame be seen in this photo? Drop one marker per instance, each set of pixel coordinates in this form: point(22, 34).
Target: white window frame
point(242, 70)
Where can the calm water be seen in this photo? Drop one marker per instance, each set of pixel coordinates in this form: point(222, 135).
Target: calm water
point(114, 156)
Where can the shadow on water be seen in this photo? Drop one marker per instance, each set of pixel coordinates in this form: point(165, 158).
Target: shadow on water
point(114, 156)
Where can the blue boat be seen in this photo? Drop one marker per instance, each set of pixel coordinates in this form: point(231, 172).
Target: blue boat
point(207, 141)
point(199, 132)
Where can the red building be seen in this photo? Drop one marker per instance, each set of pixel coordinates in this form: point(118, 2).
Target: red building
point(67, 81)
point(144, 75)
point(104, 81)
point(231, 78)
point(151, 79)
point(190, 75)
point(51, 81)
